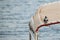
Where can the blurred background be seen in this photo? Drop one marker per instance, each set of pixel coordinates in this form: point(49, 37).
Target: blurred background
point(15, 16)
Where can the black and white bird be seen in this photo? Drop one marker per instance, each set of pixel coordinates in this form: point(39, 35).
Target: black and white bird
point(45, 20)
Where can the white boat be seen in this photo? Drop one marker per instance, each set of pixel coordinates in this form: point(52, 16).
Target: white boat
point(50, 11)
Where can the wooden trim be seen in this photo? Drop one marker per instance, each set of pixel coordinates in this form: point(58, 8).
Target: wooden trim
point(46, 25)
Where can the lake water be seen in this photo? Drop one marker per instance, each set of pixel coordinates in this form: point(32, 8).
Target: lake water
point(15, 16)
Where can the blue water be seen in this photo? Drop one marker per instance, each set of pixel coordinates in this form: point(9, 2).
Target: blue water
point(15, 16)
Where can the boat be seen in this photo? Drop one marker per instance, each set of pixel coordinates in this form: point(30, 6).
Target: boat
point(46, 15)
